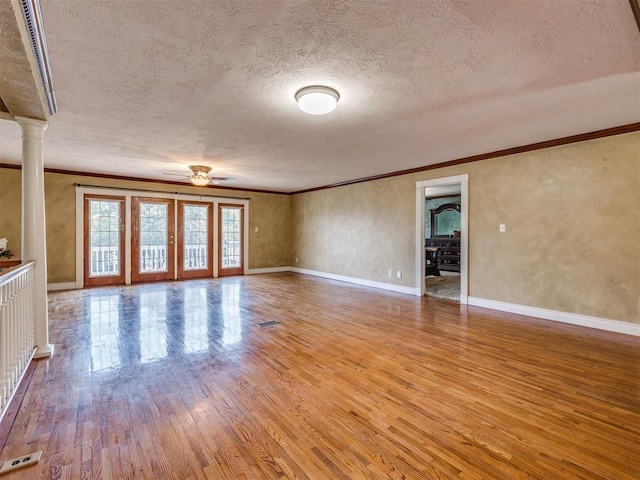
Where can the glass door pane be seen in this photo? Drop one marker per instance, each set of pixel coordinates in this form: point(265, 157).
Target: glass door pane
point(152, 239)
point(195, 242)
point(231, 246)
point(103, 240)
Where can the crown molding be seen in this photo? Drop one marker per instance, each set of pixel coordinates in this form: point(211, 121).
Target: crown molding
point(583, 137)
point(635, 8)
point(607, 132)
point(58, 171)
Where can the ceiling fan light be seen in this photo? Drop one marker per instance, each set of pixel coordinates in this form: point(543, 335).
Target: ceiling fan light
point(317, 100)
point(200, 179)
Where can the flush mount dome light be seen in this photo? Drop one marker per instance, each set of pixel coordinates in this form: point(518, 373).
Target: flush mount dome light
point(317, 100)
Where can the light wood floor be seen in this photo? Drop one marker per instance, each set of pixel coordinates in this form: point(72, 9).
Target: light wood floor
point(177, 380)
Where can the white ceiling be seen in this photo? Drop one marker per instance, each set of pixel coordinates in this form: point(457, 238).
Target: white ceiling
point(146, 87)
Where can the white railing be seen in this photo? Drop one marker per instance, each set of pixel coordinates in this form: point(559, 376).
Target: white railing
point(104, 261)
point(195, 257)
point(153, 258)
point(17, 329)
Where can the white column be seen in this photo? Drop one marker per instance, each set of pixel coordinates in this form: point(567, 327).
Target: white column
point(34, 242)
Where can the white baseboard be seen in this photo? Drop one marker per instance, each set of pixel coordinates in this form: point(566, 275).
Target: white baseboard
point(257, 271)
point(358, 281)
point(61, 286)
point(564, 317)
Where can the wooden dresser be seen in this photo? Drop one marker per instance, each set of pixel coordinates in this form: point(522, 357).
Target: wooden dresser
point(450, 252)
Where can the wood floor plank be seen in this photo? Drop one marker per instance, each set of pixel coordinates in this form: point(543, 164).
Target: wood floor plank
point(178, 381)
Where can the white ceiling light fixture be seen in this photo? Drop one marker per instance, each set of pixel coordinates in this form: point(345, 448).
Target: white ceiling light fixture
point(200, 176)
point(317, 100)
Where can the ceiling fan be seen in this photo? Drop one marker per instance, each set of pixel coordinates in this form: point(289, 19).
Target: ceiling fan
point(200, 176)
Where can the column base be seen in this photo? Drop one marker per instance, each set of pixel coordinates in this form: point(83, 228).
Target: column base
point(44, 351)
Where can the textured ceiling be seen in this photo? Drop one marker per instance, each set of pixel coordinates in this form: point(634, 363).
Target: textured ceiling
point(152, 86)
point(18, 92)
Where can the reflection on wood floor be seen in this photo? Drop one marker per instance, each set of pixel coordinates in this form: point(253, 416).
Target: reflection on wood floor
point(177, 380)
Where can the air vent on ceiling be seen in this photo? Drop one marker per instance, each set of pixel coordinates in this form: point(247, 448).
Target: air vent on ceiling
point(33, 21)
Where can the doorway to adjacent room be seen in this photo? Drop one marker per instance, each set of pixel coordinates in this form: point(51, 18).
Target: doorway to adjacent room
point(442, 238)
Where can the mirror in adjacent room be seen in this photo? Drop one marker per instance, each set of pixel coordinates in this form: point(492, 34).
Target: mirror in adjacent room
point(445, 220)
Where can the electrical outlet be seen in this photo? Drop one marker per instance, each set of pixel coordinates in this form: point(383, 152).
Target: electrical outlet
point(20, 462)
point(503, 228)
point(399, 274)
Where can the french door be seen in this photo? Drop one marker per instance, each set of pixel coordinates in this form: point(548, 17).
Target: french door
point(195, 239)
point(129, 237)
point(103, 240)
point(152, 239)
point(231, 240)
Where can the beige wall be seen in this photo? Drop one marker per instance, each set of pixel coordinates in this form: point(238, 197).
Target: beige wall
point(10, 211)
point(269, 247)
point(573, 228)
point(572, 216)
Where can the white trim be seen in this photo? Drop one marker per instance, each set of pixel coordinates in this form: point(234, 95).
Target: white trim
point(79, 239)
point(127, 240)
point(215, 227)
point(258, 271)
point(463, 181)
point(61, 286)
point(557, 316)
point(245, 240)
point(358, 281)
point(158, 194)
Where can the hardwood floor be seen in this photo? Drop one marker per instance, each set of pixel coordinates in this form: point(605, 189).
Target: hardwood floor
point(178, 380)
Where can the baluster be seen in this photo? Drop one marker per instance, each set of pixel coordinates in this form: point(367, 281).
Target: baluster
point(17, 331)
point(4, 383)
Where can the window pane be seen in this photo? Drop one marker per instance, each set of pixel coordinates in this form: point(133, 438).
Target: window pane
point(104, 238)
point(196, 223)
point(231, 255)
point(153, 237)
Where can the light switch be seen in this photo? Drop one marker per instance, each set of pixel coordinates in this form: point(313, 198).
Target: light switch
point(503, 228)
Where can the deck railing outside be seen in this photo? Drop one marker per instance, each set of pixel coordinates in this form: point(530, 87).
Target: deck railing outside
point(195, 257)
point(17, 328)
point(105, 260)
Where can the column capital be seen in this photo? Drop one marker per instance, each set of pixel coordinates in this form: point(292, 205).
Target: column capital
point(32, 126)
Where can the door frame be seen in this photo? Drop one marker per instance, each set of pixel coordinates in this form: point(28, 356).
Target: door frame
point(170, 274)
point(463, 181)
point(111, 279)
point(180, 272)
point(231, 271)
point(81, 190)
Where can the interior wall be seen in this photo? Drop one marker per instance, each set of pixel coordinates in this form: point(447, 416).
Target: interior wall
point(364, 230)
point(10, 208)
point(268, 247)
point(571, 216)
